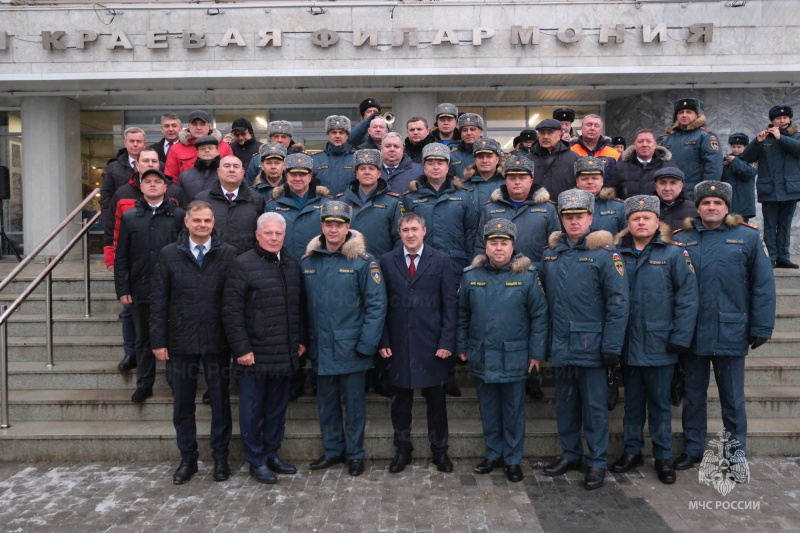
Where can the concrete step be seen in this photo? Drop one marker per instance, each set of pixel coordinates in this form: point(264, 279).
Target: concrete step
point(106, 348)
point(75, 375)
point(71, 325)
point(788, 298)
point(65, 303)
point(70, 285)
point(787, 279)
point(782, 344)
point(787, 319)
point(81, 405)
point(155, 440)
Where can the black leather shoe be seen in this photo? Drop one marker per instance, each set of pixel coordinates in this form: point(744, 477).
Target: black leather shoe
point(184, 471)
point(263, 474)
point(560, 467)
point(487, 465)
point(595, 477)
point(685, 462)
point(451, 389)
point(355, 467)
point(442, 462)
point(128, 363)
point(140, 395)
point(325, 462)
point(666, 474)
point(281, 467)
point(514, 473)
point(221, 470)
point(401, 459)
point(626, 462)
point(785, 264)
point(206, 398)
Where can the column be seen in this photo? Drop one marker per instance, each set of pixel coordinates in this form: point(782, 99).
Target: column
point(407, 105)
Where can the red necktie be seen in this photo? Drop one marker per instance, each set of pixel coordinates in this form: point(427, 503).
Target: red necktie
point(412, 268)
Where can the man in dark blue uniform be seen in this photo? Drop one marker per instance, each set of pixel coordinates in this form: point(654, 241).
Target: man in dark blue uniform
point(663, 311)
point(609, 211)
point(471, 127)
point(742, 177)
point(587, 293)
point(737, 290)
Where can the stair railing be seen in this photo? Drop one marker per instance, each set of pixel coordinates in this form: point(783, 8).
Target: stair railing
point(45, 274)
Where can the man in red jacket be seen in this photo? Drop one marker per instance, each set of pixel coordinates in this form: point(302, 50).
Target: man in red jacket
point(183, 154)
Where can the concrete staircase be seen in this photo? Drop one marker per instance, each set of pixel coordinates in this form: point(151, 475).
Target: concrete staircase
point(80, 409)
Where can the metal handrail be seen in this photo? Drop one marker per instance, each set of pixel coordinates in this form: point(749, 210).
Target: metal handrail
point(7, 312)
point(33, 253)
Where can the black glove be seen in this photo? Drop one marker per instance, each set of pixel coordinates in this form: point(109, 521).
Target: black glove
point(677, 388)
point(677, 349)
point(610, 360)
point(613, 387)
point(363, 355)
point(533, 386)
point(755, 342)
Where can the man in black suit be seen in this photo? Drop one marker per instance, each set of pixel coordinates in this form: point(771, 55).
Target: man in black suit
point(170, 129)
point(418, 337)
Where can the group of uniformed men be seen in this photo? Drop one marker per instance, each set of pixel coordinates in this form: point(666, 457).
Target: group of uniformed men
point(472, 262)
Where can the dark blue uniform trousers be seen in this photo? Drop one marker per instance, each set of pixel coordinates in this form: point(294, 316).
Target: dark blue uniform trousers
point(340, 437)
point(502, 407)
point(581, 402)
point(729, 374)
point(184, 369)
point(436, 401)
point(647, 394)
point(262, 416)
point(777, 228)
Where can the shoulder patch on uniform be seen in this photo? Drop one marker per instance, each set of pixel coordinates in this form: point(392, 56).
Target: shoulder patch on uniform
point(365, 256)
point(608, 248)
point(393, 194)
point(678, 244)
point(471, 267)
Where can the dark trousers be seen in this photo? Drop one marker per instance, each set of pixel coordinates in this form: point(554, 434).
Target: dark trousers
point(340, 437)
point(184, 369)
point(145, 360)
point(402, 403)
point(581, 403)
point(729, 374)
point(128, 331)
point(262, 416)
point(777, 228)
point(502, 407)
point(647, 394)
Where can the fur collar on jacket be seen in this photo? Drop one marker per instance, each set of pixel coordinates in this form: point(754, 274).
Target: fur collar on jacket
point(791, 130)
point(352, 247)
point(518, 265)
point(698, 123)
point(414, 185)
point(540, 195)
point(663, 228)
point(472, 170)
point(319, 190)
point(606, 194)
point(593, 240)
point(184, 135)
point(630, 154)
point(731, 221)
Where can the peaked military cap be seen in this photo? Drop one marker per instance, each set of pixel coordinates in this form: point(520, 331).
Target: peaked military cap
point(619, 140)
point(692, 104)
point(366, 104)
point(527, 135)
point(367, 157)
point(157, 172)
point(486, 145)
point(780, 111)
point(470, 119)
point(336, 211)
point(549, 124)
point(446, 110)
point(280, 126)
point(642, 203)
point(337, 122)
point(564, 114)
point(669, 172)
point(199, 114)
point(739, 138)
point(499, 228)
point(518, 164)
point(206, 139)
point(589, 165)
point(713, 189)
point(301, 163)
point(575, 201)
point(436, 151)
point(272, 151)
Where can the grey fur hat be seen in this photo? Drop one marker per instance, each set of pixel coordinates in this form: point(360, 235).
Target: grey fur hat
point(575, 201)
point(589, 165)
point(471, 119)
point(446, 110)
point(436, 151)
point(518, 164)
point(485, 144)
point(367, 157)
point(279, 126)
point(299, 163)
point(642, 203)
point(272, 151)
point(336, 211)
point(500, 228)
point(337, 122)
point(711, 188)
